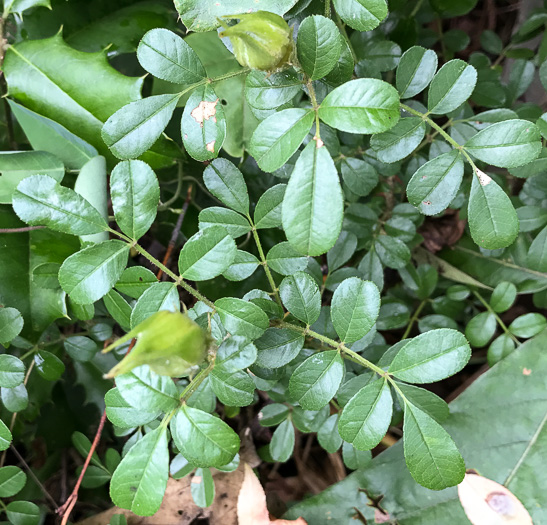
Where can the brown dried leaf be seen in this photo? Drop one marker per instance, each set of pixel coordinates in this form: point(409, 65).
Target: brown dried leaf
point(488, 503)
point(251, 504)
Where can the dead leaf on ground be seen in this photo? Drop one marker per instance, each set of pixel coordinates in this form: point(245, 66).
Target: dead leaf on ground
point(486, 502)
point(251, 503)
point(442, 231)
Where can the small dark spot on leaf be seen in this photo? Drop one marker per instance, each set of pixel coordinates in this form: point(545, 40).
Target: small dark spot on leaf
point(133, 489)
point(223, 102)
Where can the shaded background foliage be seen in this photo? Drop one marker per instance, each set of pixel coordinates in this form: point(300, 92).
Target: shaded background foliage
point(431, 274)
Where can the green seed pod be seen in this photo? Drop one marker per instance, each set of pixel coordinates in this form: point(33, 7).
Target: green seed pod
point(170, 343)
point(261, 40)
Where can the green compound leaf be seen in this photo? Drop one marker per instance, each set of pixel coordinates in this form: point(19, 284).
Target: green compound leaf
point(435, 184)
point(135, 196)
point(16, 166)
point(202, 488)
point(5, 436)
point(284, 259)
point(157, 297)
point(267, 212)
point(167, 56)
point(140, 480)
point(451, 87)
point(12, 481)
point(122, 414)
point(240, 317)
point(23, 513)
point(313, 204)
point(235, 224)
point(318, 46)
point(244, 265)
point(506, 144)
point(146, 391)
point(431, 356)
point(354, 308)
point(300, 295)
point(135, 128)
point(362, 15)
point(430, 453)
point(365, 105)
point(367, 415)
point(203, 439)
point(400, 141)
point(92, 272)
point(227, 184)
point(203, 124)
point(207, 254)
point(493, 221)
point(282, 443)
point(315, 382)
point(415, 71)
point(359, 176)
point(41, 200)
point(232, 387)
point(268, 91)
point(11, 324)
point(277, 347)
point(426, 401)
point(276, 138)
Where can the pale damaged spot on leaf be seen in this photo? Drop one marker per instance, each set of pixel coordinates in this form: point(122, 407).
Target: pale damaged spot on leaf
point(485, 501)
point(204, 111)
point(526, 371)
point(251, 503)
point(484, 179)
point(318, 142)
point(196, 480)
point(211, 146)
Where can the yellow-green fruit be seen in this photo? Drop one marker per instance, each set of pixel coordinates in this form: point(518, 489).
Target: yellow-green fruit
point(260, 40)
point(170, 343)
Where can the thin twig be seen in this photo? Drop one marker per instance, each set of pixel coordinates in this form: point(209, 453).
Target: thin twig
point(33, 476)
point(67, 507)
point(21, 230)
point(176, 230)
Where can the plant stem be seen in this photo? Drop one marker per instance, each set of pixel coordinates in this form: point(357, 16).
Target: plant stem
point(327, 8)
point(67, 507)
point(194, 384)
point(335, 344)
point(21, 230)
point(315, 105)
point(264, 262)
point(414, 318)
point(433, 124)
point(496, 316)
